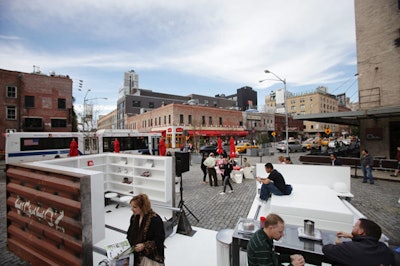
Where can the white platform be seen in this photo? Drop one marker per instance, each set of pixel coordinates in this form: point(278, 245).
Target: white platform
point(317, 203)
point(181, 250)
point(315, 196)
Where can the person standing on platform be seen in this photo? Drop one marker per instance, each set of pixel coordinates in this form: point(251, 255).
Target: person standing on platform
point(367, 162)
point(210, 162)
point(364, 249)
point(260, 249)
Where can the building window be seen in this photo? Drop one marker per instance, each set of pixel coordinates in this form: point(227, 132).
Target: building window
point(203, 120)
point(62, 103)
point(11, 113)
point(302, 106)
point(58, 123)
point(181, 119)
point(136, 103)
point(189, 119)
point(11, 92)
point(33, 123)
point(29, 101)
point(169, 119)
point(210, 120)
point(206, 102)
point(220, 121)
point(151, 104)
point(165, 120)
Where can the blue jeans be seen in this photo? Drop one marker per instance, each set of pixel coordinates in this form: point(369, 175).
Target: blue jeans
point(367, 173)
point(267, 189)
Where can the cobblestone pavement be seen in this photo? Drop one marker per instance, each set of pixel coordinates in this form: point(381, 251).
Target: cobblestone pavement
point(378, 202)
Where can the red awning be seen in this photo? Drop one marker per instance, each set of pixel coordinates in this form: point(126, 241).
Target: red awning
point(211, 133)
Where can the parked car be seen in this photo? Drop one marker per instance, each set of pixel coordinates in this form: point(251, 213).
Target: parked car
point(294, 145)
point(242, 147)
point(210, 148)
point(310, 144)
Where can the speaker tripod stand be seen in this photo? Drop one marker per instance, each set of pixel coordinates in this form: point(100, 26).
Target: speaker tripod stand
point(184, 226)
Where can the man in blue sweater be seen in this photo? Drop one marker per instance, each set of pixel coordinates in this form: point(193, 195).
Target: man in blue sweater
point(364, 249)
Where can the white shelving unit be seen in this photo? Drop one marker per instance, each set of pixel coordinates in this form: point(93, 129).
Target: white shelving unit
point(128, 174)
point(135, 174)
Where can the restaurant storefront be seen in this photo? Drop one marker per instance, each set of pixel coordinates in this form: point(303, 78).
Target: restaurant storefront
point(177, 136)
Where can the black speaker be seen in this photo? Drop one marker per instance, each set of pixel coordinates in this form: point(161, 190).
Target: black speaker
point(181, 162)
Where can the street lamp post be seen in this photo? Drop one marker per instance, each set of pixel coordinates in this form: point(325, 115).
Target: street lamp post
point(284, 104)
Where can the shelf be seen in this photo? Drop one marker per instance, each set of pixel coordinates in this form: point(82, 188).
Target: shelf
point(158, 186)
point(150, 178)
point(148, 188)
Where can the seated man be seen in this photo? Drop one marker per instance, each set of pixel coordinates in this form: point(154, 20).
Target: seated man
point(260, 249)
point(363, 249)
point(275, 183)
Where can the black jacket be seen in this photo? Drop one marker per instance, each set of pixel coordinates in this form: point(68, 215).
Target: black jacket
point(278, 179)
point(361, 251)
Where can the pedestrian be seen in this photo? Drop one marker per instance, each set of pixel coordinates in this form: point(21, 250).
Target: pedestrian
point(367, 162)
point(227, 167)
point(288, 160)
point(204, 167)
point(281, 159)
point(364, 249)
point(396, 172)
point(335, 160)
point(260, 249)
point(246, 163)
point(219, 163)
point(210, 162)
point(274, 183)
point(146, 233)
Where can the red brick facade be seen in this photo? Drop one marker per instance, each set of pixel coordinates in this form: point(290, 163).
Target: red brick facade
point(34, 102)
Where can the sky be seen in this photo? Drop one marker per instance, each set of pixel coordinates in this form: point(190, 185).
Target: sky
point(183, 47)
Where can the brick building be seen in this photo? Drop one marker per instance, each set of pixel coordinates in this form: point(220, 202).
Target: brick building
point(34, 102)
point(180, 122)
point(313, 102)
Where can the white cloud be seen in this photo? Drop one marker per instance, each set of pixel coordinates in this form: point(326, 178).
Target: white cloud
point(306, 42)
